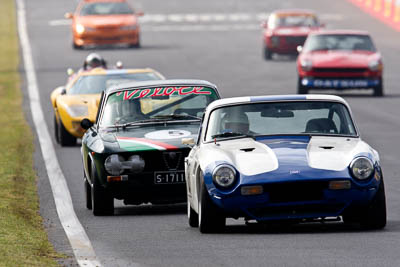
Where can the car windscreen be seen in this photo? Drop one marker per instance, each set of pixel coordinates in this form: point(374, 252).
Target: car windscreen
point(95, 84)
point(156, 104)
point(347, 42)
point(105, 8)
point(283, 118)
point(293, 20)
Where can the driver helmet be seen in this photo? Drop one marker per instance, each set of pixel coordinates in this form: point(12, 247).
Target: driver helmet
point(235, 120)
point(94, 60)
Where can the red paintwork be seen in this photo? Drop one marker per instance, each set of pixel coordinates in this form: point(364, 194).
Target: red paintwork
point(340, 59)
point(282, 33)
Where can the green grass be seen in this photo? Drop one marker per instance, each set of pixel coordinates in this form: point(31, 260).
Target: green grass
point(23, 239)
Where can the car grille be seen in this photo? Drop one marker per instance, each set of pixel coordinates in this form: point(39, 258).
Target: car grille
point(295, 39)
point(296, 191)
point(297, 210)
point(340, 70)
point(164, 160)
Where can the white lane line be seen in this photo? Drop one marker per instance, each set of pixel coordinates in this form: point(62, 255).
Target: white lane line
point(200, 28)
point(203, 18)
point(76, 234)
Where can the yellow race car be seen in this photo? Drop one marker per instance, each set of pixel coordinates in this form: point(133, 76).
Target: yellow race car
point(80, 97)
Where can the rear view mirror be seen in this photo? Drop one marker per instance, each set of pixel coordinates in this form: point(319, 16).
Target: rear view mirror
point(277, 113)
point(68, 15)
point(70, 71)
point(86, 123)
point(160, 97)
point(264, 24)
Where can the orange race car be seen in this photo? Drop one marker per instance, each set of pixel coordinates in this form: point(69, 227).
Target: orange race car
point(104, 22)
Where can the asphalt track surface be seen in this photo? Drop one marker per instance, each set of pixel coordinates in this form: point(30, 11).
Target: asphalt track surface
point(225, 50)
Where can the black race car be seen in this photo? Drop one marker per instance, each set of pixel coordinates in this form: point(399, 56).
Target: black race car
point(134, 151)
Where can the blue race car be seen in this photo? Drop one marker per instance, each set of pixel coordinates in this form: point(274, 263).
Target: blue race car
point(271, 158)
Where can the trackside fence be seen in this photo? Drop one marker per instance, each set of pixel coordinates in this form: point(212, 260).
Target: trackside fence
point(387, 11)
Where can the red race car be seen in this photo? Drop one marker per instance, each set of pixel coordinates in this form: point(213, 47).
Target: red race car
point(339, 59)
point(287, 29)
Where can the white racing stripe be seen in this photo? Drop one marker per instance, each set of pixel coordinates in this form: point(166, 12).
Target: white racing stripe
point(77, 236)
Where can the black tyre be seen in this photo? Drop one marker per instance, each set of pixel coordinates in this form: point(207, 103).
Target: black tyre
point(56, 130)
point(300, 88)
point(267, 54)
point(64, 137)
point(378, 91)
point(88, 194)
point(210, 218)
point(137, 45)
point(77, 47)
point(102, 201)
point(193, 218)
point(374, 217)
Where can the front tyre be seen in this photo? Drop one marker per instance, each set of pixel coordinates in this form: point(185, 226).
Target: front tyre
point(88, 194)
point(267, 53)
point(102, 201)
point(378, 90)
point(64, 137)
point(374, 217)
point(193, 217)
point(301, 89)
point(210, 218)
point(56, 129)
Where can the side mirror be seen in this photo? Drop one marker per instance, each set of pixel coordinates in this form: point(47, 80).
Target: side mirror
point(264, 24)
point(63, 90)
point(322, 25)
point(68, 15)
point(299, 48)
point(188, 141)
point(140, 13)
point(86, 123)
point(70, 71)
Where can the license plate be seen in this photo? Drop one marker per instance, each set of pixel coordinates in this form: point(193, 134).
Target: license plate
point(340, 83)
point(169, 177)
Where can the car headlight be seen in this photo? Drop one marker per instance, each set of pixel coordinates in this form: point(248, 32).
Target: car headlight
point(375, 65)
point(362, 168)
point(78, 110)
point(306, 64)
point(224, 176)
point(113, 164)
point(80, 28)
point(129, 27)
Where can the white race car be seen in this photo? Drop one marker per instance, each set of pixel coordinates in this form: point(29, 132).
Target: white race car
point(293, 157)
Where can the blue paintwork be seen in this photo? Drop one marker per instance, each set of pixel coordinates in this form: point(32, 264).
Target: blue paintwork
point(277, 98)
point(291, 152)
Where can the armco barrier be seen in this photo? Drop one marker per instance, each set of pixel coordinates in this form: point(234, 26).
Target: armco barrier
point(387, 11)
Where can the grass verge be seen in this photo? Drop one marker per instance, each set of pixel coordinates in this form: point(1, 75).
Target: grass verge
point(23, 240)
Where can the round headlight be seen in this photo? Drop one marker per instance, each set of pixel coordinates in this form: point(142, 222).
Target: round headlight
point(80, 28)
point(137, 163)
point(362, 168)
point(113, 164)
point(224, 176)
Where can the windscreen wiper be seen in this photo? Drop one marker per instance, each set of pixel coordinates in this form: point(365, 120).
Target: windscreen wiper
point(232, 134)
point(177, 116)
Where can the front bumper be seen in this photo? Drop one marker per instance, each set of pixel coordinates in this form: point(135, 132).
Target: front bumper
point(301, 200)
point(107, 37)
